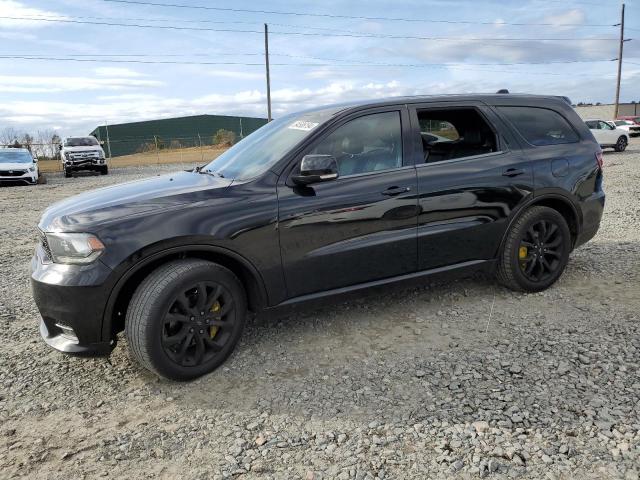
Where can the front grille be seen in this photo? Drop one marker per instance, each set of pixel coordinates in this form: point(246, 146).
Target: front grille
point(88, 155)
point(45, 245)
point(12, 173)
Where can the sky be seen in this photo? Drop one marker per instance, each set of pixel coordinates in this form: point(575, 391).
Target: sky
point(323, 57)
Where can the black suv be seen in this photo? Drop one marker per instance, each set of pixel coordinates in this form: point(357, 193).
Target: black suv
point(316, 203)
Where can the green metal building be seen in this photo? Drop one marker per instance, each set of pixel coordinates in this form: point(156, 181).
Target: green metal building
point(129, 138)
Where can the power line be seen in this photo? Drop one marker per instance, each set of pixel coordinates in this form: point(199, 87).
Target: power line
point(261, 64)
point(315, 34)
point(353, 17)
point(305, 57)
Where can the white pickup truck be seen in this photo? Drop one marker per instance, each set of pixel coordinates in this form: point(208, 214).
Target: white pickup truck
point(82, 153)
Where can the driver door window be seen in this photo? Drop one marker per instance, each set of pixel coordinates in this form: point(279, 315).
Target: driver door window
point(366, 144)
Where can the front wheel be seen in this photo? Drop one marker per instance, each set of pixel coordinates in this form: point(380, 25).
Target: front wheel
point(621, 144)
point(536, 250)
point(185, 318)
point(104, 170)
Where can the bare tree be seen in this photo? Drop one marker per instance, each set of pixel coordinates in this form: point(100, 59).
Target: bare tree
point(46, 144)
point(8, 136)
point(27, 142)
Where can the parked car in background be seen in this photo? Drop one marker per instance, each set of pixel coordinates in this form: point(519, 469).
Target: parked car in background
point(82, 153)
point(322, 202)
point(632, 118)
point(18, 165)
point(608, 135)
point(628, 126)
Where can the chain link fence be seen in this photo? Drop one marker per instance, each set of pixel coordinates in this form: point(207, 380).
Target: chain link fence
point(185, 151)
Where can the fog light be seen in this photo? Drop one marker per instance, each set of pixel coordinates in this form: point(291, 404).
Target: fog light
point(67, 332)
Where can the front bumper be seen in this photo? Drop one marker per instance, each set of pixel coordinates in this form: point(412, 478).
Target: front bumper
point(88, 164)
point(30, 179)
point(72, 300)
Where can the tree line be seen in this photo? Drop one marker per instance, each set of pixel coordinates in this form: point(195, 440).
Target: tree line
point(43, 144)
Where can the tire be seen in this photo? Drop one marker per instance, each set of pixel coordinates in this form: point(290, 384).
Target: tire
point(41, 179)
point(519, 272)
point(104, 170)
point(165, 326)
point(67, 173)
point(621, 144)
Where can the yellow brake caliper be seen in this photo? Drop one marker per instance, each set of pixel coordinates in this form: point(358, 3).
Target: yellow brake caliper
point(214, 328)
point(522, 253)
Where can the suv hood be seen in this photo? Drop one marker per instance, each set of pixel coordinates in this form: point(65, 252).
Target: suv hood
point(80, 212)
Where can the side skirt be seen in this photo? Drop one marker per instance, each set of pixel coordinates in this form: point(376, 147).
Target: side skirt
point(451, 271)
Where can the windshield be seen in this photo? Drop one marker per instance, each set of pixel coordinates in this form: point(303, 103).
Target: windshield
point(15, 156)
point(80, 142)
point(259, 151)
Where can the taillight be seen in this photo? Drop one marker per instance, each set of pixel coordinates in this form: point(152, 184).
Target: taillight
point(599, 158)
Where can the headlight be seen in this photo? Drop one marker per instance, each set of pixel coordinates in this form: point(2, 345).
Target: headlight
point(67, 156)
point(76, 248)
point(32, 169)
point(100, 154)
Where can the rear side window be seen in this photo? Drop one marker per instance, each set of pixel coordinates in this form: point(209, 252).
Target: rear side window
point(540, 126)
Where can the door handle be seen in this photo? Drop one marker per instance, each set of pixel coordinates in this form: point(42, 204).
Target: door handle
point(392, 191)
point(513, 172)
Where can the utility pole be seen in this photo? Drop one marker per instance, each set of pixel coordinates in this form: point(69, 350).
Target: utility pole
point(106, 126)
point(620, 48)
point(266, 62)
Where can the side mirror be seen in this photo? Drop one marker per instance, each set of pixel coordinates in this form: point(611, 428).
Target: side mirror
point(101, 142)
point(35, 160)
point(60, 147)
point(316, 168)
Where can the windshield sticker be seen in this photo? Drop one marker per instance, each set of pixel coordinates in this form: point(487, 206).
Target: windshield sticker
point(301, 125)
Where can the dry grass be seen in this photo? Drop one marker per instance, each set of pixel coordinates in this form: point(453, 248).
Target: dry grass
point(193, 155)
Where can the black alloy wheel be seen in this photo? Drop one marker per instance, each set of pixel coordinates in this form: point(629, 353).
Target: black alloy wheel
point(185, 318)
point(198, 324)
point(541, 250)
point(621, 144)
point(535, 250)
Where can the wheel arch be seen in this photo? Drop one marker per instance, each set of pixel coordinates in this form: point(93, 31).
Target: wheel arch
point(120, 297)
point(558, 202)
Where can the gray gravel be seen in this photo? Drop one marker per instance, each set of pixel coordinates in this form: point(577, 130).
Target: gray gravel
point(418, 383)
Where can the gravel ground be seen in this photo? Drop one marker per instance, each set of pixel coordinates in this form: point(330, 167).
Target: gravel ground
point(456, 380)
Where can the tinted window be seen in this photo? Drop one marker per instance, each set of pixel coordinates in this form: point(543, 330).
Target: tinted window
point(540, 126)
point(366, 144)
point(592, 124)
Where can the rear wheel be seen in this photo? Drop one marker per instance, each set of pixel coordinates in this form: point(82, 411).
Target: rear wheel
point(621, 144)
point(536, 250)
point(185, 318)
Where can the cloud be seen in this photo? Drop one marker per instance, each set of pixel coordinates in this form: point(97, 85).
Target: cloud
point(235, 74)
point(11, 8)
point(54, 84)
point(116, 72)
point(82, 117)
point(566, 20)
point(473, 51)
